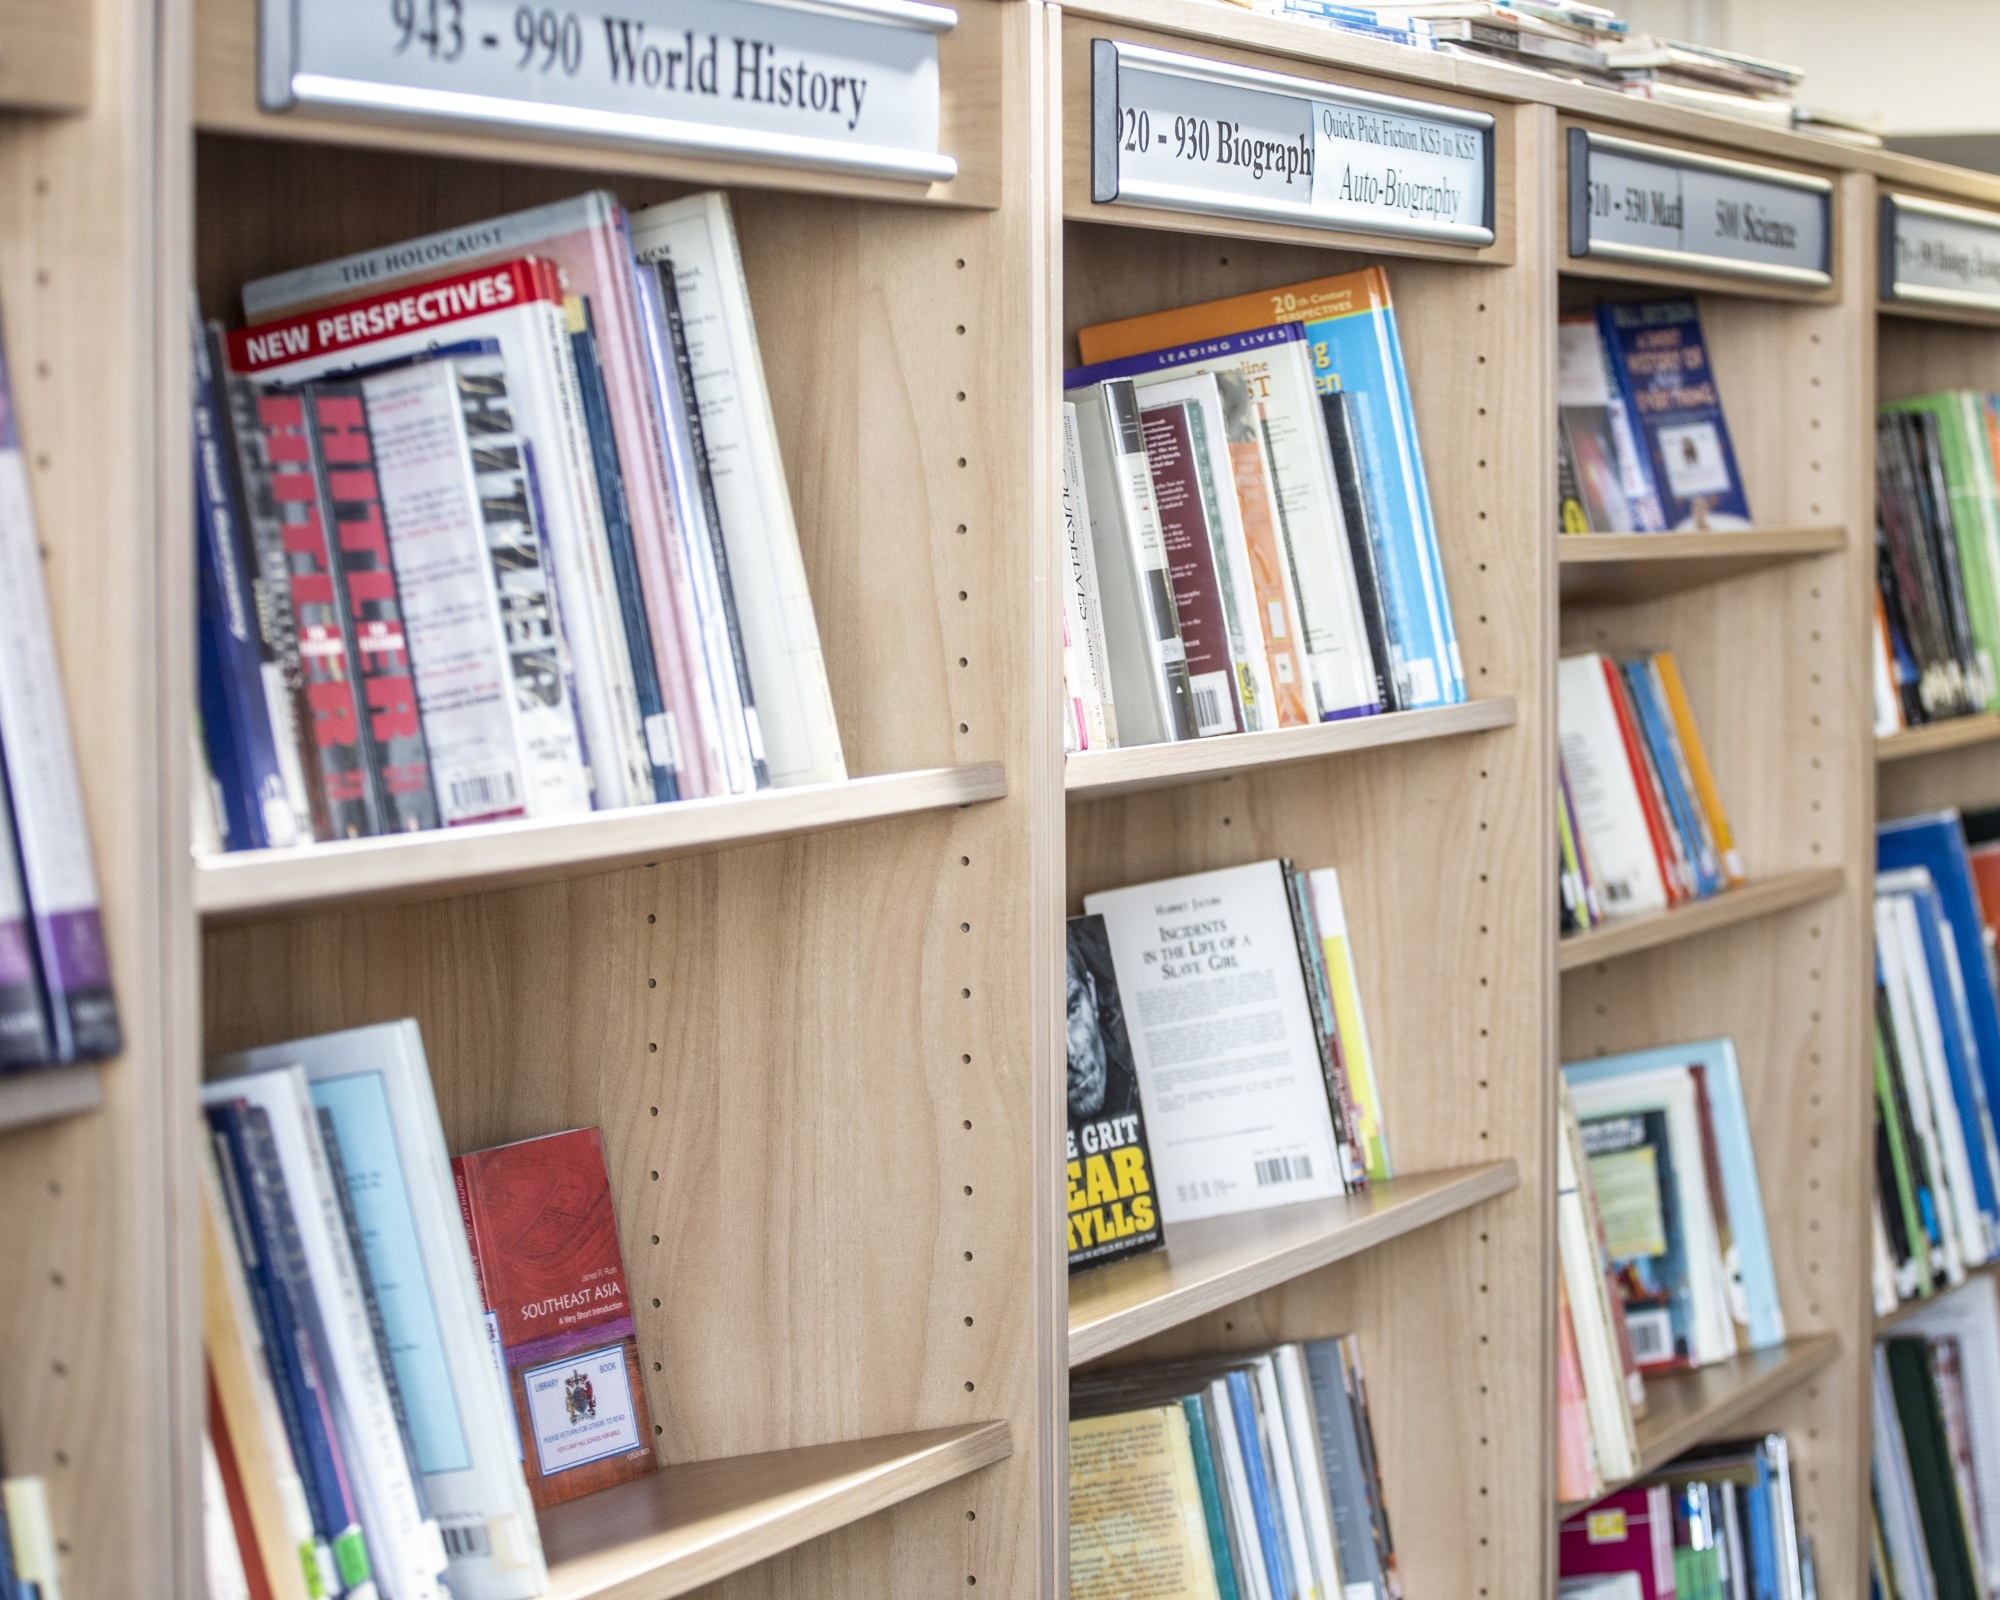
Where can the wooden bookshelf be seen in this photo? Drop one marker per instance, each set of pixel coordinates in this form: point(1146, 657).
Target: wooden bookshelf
point(45, 55)
point(1934, 738)
point(1761, 898)
point(1685, 1409)
point(1099, 774)
point(1909, 1308)
point(691, 1525)
point(1621, 568)
point(1210, 1264)
point(401, 868)
point(32, 1098)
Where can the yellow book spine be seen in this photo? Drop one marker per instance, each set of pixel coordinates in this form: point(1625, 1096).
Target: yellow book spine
point(1697, 758)
point(1330, 913)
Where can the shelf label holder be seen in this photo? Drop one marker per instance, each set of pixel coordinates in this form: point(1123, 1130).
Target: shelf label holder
point(1675, 208)
point(831, 85)
point(1939, 254)
point(1182, 133)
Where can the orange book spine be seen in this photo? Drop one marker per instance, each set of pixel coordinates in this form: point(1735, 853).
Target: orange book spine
point(1697, 760)
point(1277, 617)
point(1341, 295)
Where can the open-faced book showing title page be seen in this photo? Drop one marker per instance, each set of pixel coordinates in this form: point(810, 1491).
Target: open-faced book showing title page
point(1230, 1077)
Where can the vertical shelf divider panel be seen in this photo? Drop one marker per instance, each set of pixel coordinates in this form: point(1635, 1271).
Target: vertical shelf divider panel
point(824, 1064)
point(1775, 665)
point(100, 1356)
point(1443, 847)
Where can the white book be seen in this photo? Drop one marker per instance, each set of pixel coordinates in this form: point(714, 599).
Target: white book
point(376, 1086)
point(1884, 1282)
point(1284, 1479)
point(483, 641)
point(767, 571)
point(1338, 661)
point(1231, 548)
point(1917, 1078)
point(1302, 1429)
point(518, 306)
point(404, 1546)
point(1605, 1399)
point(1926, 1017)
point(1971, 1315)
point(1605, 790)
point(1222, 1035)
point(1672, 1090)
point(1236, 1484)
point(1081, 594)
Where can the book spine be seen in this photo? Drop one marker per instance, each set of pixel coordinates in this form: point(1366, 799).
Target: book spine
point(1196, 1412)
point(1392, 668)
point(365, 579)
point(1635, 462)
point(1250, 1438)
point(1191, 573)
point(630, 592)
point(1371, 1471)
point(1699, 772)
point(1270, 590)
point(25, 1037)
point(228, 618)
point(1081, 605)
point(1328, 913)
point(1137, 512)
point(235, 816)
point(1326, 1030)
point(1245, 1550)
point(1665, 853)
point(1678, 808)
point(1934, 504)
point(50, 822)
point(1340, 1459)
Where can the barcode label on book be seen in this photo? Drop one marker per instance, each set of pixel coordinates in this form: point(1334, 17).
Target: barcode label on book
point(481, 794)
point(1283, 1169)
point(466, 1539)
point(1652, 1335)
point(1212, 711)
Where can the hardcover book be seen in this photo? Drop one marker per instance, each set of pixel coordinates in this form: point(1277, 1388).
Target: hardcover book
point(1112, 1209)
point(544, 1239)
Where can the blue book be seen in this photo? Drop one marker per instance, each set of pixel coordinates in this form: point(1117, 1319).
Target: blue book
point(1730, 1118)
point(1657, 731)
point(1277, 1563)
point(1663, 372)
point(624, 556)
point(236, 715)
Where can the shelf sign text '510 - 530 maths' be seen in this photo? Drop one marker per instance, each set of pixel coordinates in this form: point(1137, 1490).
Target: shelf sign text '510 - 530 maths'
point(848, 85)
point(1181, 133)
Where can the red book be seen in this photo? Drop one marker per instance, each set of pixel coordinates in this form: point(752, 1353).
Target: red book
point(1191, 569)
point(1630, 1531)
point(255, 1578)
point(1985, 860)
point(544, 1243)
point(1644, 781)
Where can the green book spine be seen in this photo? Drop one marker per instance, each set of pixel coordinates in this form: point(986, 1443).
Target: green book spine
point(1973, 521)
point(1915, 1389)
point(1906, 1194)
point(1211, 1497)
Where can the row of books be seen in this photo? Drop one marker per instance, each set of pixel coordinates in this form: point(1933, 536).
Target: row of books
point(1640, 822)
point(28, 1550)
point(409, 1354)
point(1665, 1259)
point(1231, 989)
point(1248, 1476)
point(1247, 521)
point(1643, 446)
point(1935, 1460)
point(1937, 1053)
point(56, 1000)
point(1937, 539)
point(1719, 1523)
point(493, 524)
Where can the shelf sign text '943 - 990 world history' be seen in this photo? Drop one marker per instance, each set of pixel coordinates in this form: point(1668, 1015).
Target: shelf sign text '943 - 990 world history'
point(847, 84)
point(1187, 134)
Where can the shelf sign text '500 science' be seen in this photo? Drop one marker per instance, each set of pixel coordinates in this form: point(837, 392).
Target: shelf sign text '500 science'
point(1669, 207)
point(847, 85)
point(1186, 134)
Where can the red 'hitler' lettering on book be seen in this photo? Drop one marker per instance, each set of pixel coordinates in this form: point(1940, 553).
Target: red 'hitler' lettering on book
point(324, 657)
point(374, 610)
point(544, 1242)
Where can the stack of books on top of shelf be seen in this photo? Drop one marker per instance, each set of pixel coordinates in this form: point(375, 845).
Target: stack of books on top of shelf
point(1247, 520)
point(1232, 989)
point(1937, 1056)
point(494, 525)
point(56, 1001)
point(1665, 1261)
point(1937, 532)
point(1936, 1480)
point(408, 1354)
point(1643, 446)
point(1256, 1471)
point(1640, 823)
point(1718, 1523)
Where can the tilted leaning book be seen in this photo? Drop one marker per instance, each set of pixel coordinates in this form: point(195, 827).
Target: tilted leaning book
point(1113, 1207)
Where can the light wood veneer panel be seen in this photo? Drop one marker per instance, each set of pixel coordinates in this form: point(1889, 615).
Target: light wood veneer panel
point(45, 55)
point(1619, 568)
point(33, 1097)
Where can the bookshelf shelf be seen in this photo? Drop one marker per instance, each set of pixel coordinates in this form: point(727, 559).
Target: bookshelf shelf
point(1691, 1408)
point(1624, 568)
point(1955, 733)
point(44, 55)
point(419, 866)
point(1098, 774)
point(37, 1097)
point(1761, 898)
point(690, 1525)
point(1210, 1264)
point(1909, 1308)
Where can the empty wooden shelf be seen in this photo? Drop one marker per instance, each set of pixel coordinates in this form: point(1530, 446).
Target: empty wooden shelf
point(1618, 568)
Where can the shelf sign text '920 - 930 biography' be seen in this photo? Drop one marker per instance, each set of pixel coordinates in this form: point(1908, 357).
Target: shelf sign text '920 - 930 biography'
point(1653, 203)
point(846, 85)
point(1186, 134)
point(1939, 254)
